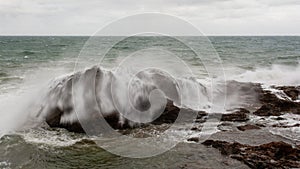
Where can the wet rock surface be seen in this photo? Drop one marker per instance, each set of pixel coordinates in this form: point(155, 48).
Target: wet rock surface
point(251, 141)
point(268, 104)
point(274, 106)
point(271, 155)
point(238, 136)
point(292, 91)
point(169, 115)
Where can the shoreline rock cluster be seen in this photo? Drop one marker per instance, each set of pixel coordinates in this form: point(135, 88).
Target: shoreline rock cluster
point(270, 155)
point(275, 154)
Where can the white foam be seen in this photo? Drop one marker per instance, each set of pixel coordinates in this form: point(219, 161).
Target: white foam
point(275, 75)
point(5, 165)
point(285, 127)
point(57, 138)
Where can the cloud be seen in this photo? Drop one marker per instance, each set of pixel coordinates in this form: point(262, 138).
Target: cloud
point(63, 17)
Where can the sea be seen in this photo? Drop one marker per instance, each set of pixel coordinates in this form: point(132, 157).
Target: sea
point(29, 63)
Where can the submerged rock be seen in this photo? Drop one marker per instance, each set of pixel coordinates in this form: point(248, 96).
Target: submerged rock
point(271, 155)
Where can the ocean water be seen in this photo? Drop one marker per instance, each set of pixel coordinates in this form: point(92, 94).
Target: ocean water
point(239, 55)
point(27, 64)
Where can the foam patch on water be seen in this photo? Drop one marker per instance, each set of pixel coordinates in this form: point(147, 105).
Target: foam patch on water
point(286, 127)
point(211, 128)
point(57, 138)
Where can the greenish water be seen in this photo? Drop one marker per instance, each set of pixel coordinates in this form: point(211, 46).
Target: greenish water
point(19, 153)
point(19, 55)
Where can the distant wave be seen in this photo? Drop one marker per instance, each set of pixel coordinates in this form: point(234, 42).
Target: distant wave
point(26, 52)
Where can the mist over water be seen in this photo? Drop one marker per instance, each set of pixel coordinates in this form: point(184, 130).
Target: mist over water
point(19, 106)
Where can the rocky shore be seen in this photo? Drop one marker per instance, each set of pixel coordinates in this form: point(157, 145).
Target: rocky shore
point(270, 155)
point(246, 137)
point(245, 134)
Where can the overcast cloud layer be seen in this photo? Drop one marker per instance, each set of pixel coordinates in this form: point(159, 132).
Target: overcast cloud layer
point(212, 17)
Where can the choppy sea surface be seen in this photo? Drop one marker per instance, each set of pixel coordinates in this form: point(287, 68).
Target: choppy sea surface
point(27, 62)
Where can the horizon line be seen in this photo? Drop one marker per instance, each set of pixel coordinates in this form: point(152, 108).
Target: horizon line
point(87, 35)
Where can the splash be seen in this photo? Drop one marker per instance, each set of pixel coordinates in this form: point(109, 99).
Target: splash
point(134, 98)
point(274, 75)
point(17, 106)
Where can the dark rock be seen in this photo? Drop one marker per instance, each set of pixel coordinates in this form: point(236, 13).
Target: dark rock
point(53, 119)
point(291, 91)
point(112, 119)
point(85, 142)
point(268, 110)
point(169, 115)
point(171, 112)
point(239, 115)
point(224, 147)
point(73, 127)
point(248, 127)
point(194, 128)
point(269, 105)
point(200, 121)
point(194, 139)
point(273, 106)
point(286, 126)
point(271, 155)
point(201, 117)
point(279, 118)
point(260, 125)
point(267, 97)
point(201, 114)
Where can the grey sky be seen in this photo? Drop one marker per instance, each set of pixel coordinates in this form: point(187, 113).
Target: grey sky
point(213, 17)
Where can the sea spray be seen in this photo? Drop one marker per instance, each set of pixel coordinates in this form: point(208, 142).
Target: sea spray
point(277, 74)
point(139, 97)
point(20, 106)
point(136, 99)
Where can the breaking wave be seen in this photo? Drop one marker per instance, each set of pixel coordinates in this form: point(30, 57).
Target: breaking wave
point(139, 98)
point(274, 75)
